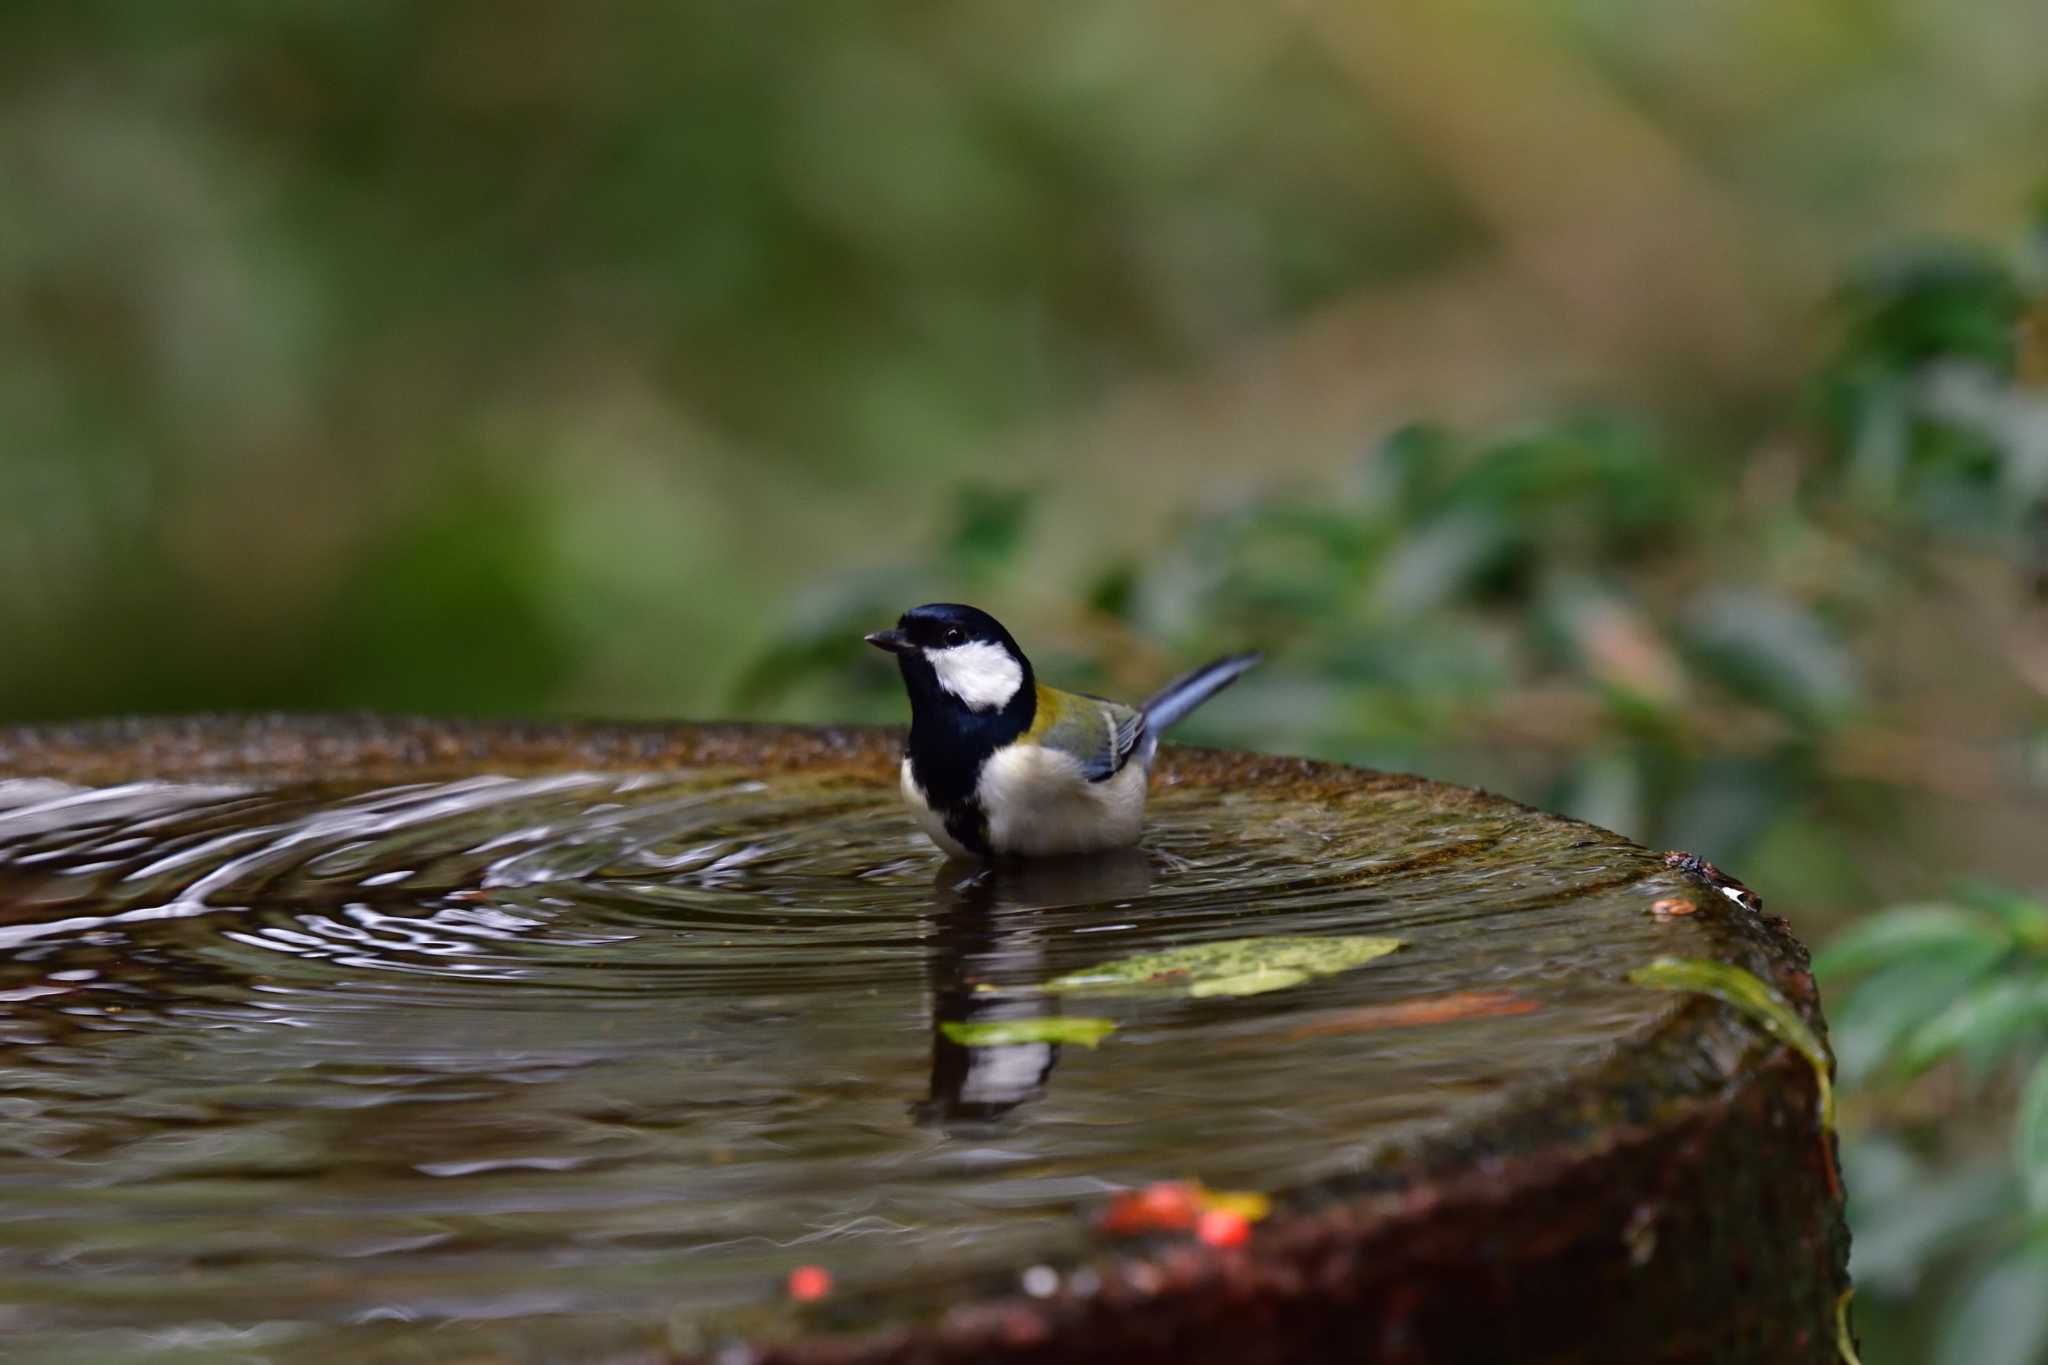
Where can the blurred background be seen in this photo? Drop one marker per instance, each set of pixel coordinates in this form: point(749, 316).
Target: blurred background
point(1641, 409)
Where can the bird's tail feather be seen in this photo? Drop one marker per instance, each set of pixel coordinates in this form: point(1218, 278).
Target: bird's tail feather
point(1194, 687)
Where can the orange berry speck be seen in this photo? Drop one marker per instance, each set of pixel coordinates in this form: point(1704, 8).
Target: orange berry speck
point(809, 1283)
point(1223, 1228)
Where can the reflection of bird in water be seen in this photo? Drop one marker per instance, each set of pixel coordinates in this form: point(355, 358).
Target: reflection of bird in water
point(988, 933)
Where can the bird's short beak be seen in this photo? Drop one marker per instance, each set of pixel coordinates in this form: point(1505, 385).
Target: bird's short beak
point(893, 640)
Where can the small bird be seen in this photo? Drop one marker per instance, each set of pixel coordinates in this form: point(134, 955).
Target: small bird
point(1000, 765)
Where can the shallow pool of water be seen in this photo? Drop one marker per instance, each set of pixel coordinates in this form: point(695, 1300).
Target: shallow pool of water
point(522, 1067)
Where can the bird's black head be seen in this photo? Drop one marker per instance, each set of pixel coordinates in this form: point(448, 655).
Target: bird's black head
point(957, 657)
point(971, 693)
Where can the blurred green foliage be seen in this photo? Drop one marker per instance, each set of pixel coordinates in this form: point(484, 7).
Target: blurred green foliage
point(588, 322)
point(1962, 987)
point(621, 323)
point(1918, 403)
point(1686, 642)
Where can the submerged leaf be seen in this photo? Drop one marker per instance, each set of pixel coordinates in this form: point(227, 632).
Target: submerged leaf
point(1239, 966)
point(1051, 1028)
point(1428, 1009)
point(1249, 1205)
point(1250, 983)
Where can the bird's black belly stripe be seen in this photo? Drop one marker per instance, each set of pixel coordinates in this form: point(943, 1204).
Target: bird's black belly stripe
point(967, 822)
point(947, 749)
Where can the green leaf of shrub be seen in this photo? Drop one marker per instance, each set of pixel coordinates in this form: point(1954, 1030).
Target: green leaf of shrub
point(1909, 1213)
point(1775, 650)
point(2001, 1317)
point(1984, 1022)
point(1906, 932)
point(1869, 1027)
point(2030, 1137)
point(2025, 916)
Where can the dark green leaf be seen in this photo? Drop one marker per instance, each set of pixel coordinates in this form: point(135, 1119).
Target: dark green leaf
point(1909, 931)
point(1983, 1023)
point(1869, 1025)
point(2030, 1137)
point(1944, 302)
point(1439, 561)
point(1406, 470)
point(1908, 1213)
point(2025, 916)
point(1773, 649)
point(2001, 1316)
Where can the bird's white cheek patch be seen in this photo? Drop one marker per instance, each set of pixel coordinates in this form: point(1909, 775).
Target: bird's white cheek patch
point(983, 676)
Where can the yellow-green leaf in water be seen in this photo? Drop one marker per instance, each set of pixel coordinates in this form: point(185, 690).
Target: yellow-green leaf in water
point(1845, 1343)
point(1250, 983)
point(1238, 966)
point(1249, 1205)
point(1051, 1028)
point(1734, 986)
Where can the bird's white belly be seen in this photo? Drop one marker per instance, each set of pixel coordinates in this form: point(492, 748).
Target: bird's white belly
point(1039, 804)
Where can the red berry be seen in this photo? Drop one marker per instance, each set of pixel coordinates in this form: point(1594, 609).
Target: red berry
point(809, 1283)
point(1222, 1228)
point(1164, 1206)
point(1169, 1203)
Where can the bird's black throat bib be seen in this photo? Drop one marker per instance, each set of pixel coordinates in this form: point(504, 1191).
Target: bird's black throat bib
point(949, 743)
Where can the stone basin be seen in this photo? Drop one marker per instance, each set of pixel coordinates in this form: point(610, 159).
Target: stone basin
point(360, 1039)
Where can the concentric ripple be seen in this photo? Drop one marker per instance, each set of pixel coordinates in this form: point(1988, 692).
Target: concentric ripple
point(587, 1061)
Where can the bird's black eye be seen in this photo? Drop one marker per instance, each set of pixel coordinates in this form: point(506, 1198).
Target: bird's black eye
point(955, 636)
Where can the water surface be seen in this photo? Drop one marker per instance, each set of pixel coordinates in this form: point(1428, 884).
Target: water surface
point(543, 1067)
